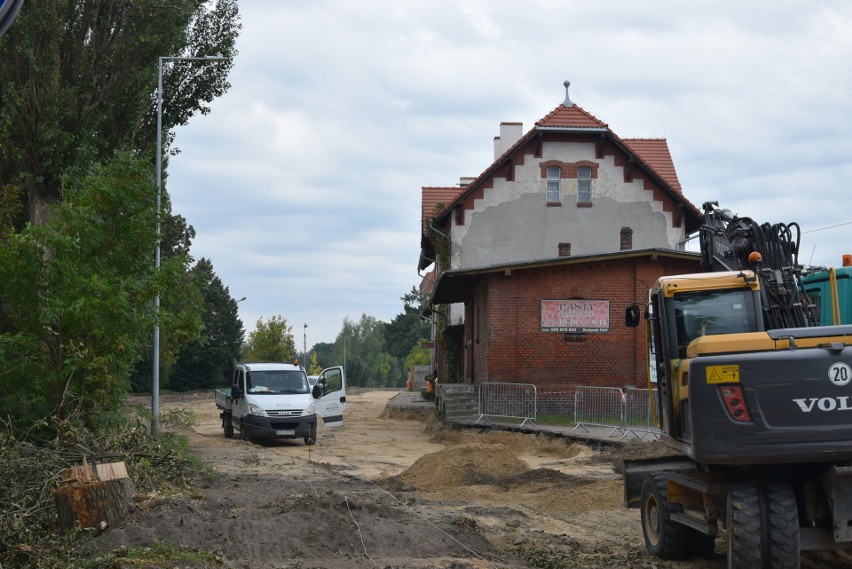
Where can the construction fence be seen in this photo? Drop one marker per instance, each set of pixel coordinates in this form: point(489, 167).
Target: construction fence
point(602, 411)
point(624, 411)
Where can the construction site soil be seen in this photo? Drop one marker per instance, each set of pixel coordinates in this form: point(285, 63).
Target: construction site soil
point(398, 489)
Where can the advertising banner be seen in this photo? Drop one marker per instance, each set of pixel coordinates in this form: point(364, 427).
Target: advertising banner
point(575, 316)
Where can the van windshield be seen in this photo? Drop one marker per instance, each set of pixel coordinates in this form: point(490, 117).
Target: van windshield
point(276, 382)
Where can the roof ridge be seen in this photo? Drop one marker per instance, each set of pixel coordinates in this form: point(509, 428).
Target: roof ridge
point(562, 113)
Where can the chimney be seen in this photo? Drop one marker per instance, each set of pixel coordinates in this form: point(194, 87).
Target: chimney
point(510, 133)
point(464, 181)
point(626, 238)
point(564, 249)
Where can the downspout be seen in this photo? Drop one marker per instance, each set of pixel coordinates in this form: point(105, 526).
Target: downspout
point(435, 229)
point(419, 274)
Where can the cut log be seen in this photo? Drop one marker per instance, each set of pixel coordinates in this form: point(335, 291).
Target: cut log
point(86, 473)
point(93, 497)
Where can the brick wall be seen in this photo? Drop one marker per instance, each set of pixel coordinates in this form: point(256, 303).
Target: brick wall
point(509, 346)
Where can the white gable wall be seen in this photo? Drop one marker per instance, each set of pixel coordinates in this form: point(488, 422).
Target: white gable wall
point(513, 222)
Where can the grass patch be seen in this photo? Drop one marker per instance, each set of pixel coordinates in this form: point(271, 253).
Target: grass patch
point(159, 555)
point(555, 420)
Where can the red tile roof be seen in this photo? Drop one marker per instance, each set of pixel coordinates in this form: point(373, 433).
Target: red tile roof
point(434, 199)
point(655, 153)
point(570, 117)
point(427, 283)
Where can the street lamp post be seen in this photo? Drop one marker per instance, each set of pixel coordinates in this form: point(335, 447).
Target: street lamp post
point(155, 358)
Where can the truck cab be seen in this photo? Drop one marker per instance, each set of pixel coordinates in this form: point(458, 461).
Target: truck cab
point(275, 400)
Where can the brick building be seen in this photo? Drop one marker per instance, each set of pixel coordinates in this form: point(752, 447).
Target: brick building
point(535, 261)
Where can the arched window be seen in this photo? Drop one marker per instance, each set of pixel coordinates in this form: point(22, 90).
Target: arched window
point(554, 182)
point(584, 184)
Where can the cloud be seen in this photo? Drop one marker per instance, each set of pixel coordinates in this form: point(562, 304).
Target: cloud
point(304, 182)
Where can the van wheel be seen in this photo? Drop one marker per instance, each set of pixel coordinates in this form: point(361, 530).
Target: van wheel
point(228, 426)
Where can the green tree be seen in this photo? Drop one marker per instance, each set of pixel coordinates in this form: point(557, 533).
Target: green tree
point(314, 368)
point(324, 352)
point(361, 345)
point(407, 329)
point(270, 341)
point(78, 81)
point(175, 242)
point(75, 298)
point(208, 360)
point(418, 356)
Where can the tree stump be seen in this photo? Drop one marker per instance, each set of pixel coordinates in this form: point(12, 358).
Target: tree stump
point(93, 497)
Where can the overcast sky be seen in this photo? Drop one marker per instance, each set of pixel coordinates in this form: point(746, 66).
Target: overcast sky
point(303, 183)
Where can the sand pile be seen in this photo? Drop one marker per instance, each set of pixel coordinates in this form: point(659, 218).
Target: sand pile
point(463, 465)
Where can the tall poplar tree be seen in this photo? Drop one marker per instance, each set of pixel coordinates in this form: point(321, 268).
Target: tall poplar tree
point(78, 81)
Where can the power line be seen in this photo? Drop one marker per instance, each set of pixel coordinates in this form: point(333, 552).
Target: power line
point(829, 227)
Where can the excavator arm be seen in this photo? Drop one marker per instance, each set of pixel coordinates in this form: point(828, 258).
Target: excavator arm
point(732, 243)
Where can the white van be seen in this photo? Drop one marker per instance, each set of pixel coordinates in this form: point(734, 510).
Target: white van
point(275, 400)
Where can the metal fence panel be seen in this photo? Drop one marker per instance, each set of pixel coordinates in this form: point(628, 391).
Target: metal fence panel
point(623, 411)
point(508, 401)
point(639, 417)
point(601, 411)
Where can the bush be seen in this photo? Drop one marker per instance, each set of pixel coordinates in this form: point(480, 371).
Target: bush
point(30, 470)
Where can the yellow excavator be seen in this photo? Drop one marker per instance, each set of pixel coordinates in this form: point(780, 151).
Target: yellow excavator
point(754, 399)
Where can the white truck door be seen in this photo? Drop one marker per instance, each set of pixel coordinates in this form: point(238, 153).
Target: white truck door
point(332, 384)
point(239, 407)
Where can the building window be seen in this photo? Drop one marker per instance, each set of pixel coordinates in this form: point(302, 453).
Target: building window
point(554, 182)
point(584, 184)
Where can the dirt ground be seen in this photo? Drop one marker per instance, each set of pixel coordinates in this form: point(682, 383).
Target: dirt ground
point(401, 491)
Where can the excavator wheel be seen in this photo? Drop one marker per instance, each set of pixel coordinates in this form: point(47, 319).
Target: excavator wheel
point(664, 538)
point(743, 520)
point(782, 517)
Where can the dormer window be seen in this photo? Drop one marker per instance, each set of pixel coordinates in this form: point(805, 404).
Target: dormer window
point(554, 184)
point(584, 184)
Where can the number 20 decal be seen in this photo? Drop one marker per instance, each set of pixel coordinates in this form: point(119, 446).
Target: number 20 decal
point(840, 374)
